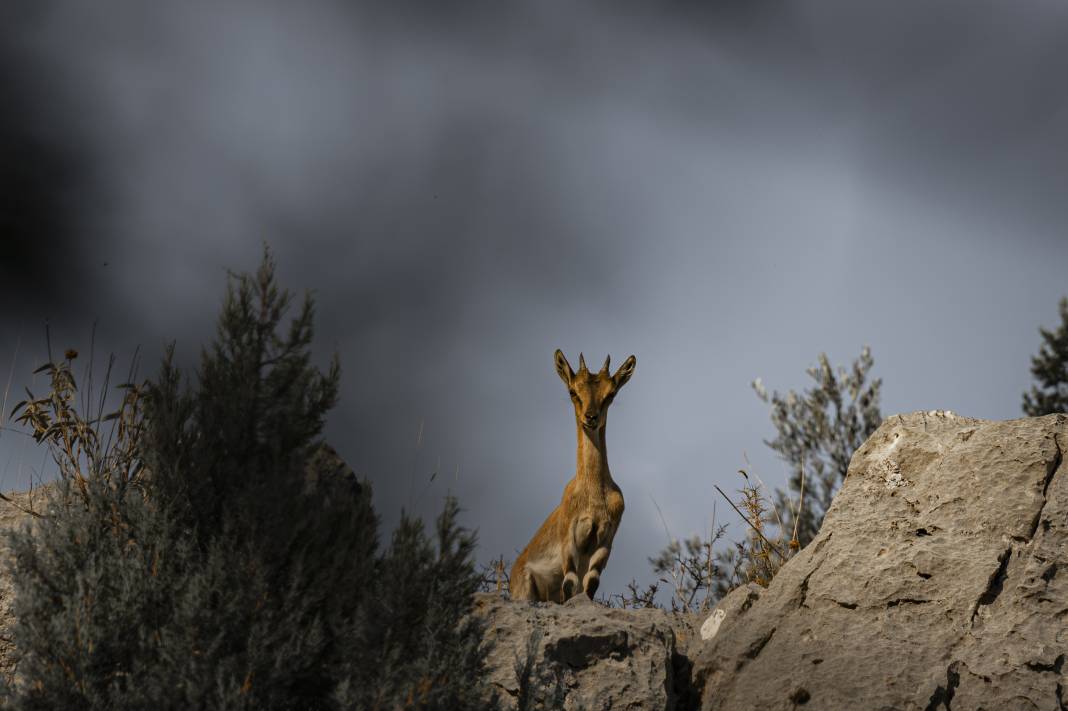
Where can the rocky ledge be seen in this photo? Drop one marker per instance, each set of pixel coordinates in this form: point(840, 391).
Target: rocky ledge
point(581, 655)
point(939, 580)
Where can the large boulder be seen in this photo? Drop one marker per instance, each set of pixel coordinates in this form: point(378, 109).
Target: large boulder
point(581, 655)
point(938, 580)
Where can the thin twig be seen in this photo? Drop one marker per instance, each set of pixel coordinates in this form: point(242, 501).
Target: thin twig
point(801, 499)
point(708, 553)
point(658, 511)
point(100, 454)
point(88, 377)
point(10, 375)
point(767, 491)
point(19, 506)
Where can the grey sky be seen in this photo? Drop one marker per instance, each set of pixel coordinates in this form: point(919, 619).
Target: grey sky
point(722, 189)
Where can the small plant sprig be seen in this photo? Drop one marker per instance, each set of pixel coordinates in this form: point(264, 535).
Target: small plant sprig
point(493, 577)
point(759, 558)
point(763, 557)
point(700, 574)
point(76, 436)
point(691, 569)
point(635, 598)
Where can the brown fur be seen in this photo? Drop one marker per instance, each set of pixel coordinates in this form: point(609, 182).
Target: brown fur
point(569, 551)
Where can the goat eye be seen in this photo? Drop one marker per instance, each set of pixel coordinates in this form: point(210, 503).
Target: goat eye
point(572, 393)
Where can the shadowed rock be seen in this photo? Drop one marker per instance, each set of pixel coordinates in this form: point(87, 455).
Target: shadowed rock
point(582, 655)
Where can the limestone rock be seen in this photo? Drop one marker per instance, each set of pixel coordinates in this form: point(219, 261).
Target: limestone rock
point(735, 604)
point(13, 514)
point(938, 580)
point(581, 655)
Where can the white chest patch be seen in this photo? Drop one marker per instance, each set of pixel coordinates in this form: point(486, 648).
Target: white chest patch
point(547, 567)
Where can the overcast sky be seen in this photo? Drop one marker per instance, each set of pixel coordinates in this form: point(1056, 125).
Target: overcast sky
point(723, 189)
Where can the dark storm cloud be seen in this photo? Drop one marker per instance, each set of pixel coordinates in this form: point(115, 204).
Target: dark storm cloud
point(721, 188)
point(962, 98)
point(42, 168)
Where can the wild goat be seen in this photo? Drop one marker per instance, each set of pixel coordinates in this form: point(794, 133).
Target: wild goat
point(574, 542)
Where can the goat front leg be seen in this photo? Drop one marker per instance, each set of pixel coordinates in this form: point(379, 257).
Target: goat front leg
point(583, 538)
point(592, 578)
point(571, 579)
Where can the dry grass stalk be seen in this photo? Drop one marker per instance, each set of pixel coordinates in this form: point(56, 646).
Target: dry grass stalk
point(494, 576)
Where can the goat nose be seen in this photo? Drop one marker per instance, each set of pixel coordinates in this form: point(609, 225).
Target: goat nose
point(591, 416)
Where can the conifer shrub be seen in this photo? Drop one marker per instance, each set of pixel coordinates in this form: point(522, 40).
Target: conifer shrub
point(194, 555)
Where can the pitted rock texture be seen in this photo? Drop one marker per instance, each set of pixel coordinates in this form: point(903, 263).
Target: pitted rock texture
point(939, 580)
point(586, 656)
point(13, 514)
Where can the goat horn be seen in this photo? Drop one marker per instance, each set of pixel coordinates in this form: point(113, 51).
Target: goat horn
point(607, 360)
point(582, 362)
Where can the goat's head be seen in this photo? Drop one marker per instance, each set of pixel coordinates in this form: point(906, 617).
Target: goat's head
point(592, 393)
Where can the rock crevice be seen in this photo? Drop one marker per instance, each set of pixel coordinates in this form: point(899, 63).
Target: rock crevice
point(943, 694)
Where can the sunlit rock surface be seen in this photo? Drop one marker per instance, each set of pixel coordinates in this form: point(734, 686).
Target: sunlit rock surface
point(13, 514)
point(938, 580)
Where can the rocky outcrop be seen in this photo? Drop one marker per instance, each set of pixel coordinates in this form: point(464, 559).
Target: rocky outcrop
point(581, 655)
point(939, 580)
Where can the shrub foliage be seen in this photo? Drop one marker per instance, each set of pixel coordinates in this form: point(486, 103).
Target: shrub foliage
point(188, 558)
point(1050, 370)
point(817, 432)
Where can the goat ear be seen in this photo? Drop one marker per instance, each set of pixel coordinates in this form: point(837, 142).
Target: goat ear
point(625, 371)
point(563, 368)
